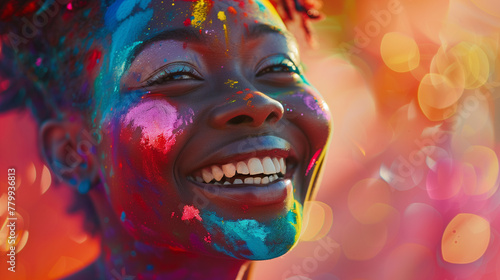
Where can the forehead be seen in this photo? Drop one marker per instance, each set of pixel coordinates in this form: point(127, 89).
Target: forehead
point(160, 14)
point(132, 23)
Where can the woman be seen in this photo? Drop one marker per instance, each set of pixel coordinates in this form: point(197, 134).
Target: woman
point(187, 127)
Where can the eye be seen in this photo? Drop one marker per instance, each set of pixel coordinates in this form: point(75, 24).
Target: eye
point(174, 72)
point(277, 64)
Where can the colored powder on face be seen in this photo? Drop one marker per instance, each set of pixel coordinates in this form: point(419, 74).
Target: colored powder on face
point(221, 16)
point(208, 238)
point(232, 10)
point(122, 217)
point(248, 96)
point(231, 83)
point(200, 11)
point(125, 9)
point(313, 161)
point(158, 120)
point(190, 212)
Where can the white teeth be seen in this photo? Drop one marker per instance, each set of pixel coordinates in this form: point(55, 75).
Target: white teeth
point(237, 181)
point(207, 175)
point(283, 166)
point(242, 168)
point(229, 170)
point(277, 166)
point(217, 172)
point(255, 166)
point(268, 165)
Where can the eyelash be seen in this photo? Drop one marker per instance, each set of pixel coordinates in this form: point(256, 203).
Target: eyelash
point(278, 65)
point(163, 76)
point(167, 75)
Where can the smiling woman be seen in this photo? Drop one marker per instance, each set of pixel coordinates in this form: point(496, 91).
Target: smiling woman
point(208, 137)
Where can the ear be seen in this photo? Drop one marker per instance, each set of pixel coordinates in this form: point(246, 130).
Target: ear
point(69, 149)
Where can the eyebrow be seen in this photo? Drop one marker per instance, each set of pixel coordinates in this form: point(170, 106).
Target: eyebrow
point(190, 35)
point(183, 34)
point(258, 30)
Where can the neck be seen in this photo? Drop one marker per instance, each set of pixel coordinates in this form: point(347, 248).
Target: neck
point(123, 256)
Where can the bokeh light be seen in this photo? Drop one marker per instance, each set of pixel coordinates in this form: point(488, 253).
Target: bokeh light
point(399, 52)
point(465, 239)
point(318, 221)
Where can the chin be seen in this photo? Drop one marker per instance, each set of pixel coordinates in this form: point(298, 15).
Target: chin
point(254, 238)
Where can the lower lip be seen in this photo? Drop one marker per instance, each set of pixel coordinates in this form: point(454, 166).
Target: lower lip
point(274, 193)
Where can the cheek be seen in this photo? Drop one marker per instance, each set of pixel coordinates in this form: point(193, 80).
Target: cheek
point(310, 112)
point(148, 141)
point(139, 163)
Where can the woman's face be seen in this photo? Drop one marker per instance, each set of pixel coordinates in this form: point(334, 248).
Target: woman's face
point(211, 135)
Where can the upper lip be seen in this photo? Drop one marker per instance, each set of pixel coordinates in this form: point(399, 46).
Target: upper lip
point(256, 146)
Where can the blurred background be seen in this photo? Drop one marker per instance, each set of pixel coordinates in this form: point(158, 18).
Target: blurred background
point(410, 188)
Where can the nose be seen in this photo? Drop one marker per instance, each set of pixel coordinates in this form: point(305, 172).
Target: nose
point(251, 109)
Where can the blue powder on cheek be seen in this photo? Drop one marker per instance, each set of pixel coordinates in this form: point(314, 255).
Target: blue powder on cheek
point(123, 216)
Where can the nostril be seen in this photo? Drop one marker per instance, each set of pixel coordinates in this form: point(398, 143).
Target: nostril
point(273, 117)
point(241, 119)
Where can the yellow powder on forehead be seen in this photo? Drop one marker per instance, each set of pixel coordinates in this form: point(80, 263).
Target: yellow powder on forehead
point(200, 11)
point(221, 16)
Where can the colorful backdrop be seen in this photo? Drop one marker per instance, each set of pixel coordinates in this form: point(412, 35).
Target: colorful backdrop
point(410, 189)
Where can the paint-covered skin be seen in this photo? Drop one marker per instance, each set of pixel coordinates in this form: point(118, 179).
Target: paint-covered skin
point(187, 85)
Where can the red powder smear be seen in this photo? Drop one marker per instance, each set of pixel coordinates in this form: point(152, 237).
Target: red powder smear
point(246, 27)
point(313, 161)
point(190, 212)
point(239, 92)
point(247, 89)
point(187, 22)
point(248, 96)
point(244, 208)
point(173, 213)
point(245, 14)
point(232, 10)
point(93, 59)
point(184, 45)
point(208, 238)
point(241, 3)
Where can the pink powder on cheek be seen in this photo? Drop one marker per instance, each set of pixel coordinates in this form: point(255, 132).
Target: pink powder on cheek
point(159, 122)
point(190, 212)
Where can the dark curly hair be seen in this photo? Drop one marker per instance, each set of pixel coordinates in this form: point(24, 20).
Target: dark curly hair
point(30, 69)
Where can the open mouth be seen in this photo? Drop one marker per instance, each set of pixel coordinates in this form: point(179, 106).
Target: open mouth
point(261, 173)
point(253, 171)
